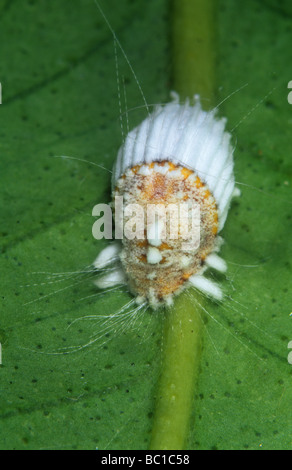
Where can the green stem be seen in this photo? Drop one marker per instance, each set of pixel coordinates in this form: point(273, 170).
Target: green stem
point(193, 73)
point(181, 352)
point(193, 40)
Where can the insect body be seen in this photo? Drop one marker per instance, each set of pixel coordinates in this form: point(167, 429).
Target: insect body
point(179, 157)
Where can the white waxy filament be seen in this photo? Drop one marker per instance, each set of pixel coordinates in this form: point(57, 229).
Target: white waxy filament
point(154, 232)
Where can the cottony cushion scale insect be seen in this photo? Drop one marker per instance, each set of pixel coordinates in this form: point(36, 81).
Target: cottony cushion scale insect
point(180, 154)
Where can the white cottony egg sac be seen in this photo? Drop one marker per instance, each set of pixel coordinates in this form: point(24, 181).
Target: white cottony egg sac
point(180, 156)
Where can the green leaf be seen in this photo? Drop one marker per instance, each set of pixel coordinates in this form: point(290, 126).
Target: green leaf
point(245, 384)
point(59, 97)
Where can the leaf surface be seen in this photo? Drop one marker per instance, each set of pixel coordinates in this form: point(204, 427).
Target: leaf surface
point(60, 97)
